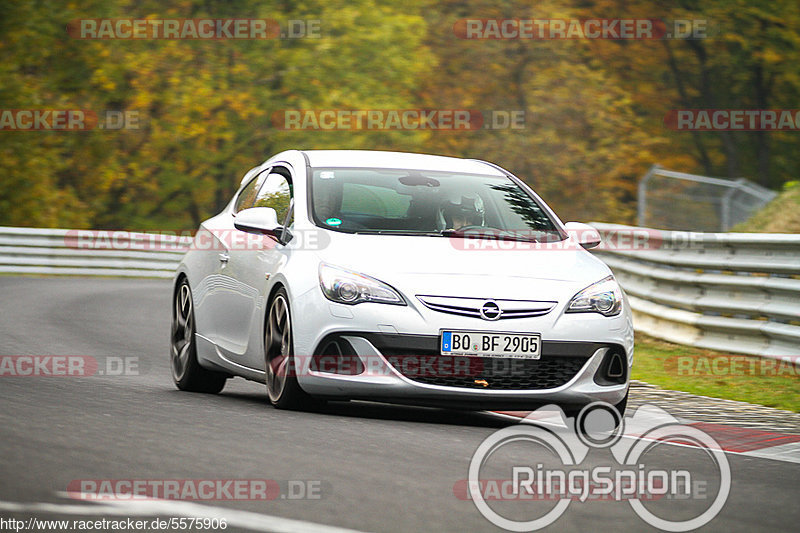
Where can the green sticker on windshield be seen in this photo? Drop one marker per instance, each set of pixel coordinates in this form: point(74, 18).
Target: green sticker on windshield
point(333, 222)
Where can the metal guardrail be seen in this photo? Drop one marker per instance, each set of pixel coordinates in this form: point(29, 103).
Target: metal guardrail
point(89, 253)
point(723, 291)
point(732, 292)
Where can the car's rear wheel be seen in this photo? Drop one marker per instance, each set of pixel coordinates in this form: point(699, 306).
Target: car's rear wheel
point(281, 371)
point(186, 371)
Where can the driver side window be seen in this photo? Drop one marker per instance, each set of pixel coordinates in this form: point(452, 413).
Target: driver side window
point(248, 195)
point(276, 192)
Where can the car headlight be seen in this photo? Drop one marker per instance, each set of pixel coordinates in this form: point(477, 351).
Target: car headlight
point(347, 287)
point(604, 297)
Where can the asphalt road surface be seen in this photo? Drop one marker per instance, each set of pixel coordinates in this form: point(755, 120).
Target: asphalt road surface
point(368, 467)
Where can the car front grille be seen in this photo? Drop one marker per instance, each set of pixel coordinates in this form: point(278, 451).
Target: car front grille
point(471, 307)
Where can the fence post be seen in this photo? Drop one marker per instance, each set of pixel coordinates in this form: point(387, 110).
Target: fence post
point(642, 200)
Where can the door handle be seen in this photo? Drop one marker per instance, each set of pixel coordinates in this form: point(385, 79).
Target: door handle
point(224, 257)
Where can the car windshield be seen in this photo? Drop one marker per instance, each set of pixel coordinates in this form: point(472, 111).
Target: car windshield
point(432, 203)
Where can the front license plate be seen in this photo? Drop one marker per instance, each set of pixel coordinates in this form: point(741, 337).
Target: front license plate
point(488, 344)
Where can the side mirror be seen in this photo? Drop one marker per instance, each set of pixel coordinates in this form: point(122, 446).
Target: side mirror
point(583, 234)
point(263, 220)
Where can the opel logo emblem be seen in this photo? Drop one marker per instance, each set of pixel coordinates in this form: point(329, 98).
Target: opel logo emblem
point(490, 310)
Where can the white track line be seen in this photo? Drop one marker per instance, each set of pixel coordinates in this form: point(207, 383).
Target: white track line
point(789, 453)
point(130, 508)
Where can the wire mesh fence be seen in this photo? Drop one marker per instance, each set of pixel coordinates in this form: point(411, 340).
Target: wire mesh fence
point(679, 201)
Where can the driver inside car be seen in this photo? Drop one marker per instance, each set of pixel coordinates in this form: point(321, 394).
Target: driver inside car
point(462, 212)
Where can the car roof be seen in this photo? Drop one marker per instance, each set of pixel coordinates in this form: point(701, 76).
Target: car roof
point(380, 159)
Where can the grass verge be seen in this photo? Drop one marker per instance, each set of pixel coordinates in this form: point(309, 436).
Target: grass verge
point(781, 215)
point(745, 378)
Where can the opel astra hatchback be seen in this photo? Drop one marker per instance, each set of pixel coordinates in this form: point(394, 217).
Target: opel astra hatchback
point(396, 277)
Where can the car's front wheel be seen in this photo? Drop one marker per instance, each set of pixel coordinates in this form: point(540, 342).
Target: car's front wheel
point(281, 371)
point(186, 371)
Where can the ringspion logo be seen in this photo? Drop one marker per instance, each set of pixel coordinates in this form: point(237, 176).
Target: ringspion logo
point(557, 470)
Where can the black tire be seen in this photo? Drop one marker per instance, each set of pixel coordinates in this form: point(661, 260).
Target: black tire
point(281, 375)
point(621, 406)
point(600, 433)
point(573, 412)
point(186, 371)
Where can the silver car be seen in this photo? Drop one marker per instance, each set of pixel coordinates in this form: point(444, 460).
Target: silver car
point(397, 277)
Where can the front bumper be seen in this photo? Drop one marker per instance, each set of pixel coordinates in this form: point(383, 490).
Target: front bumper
point(572, 370)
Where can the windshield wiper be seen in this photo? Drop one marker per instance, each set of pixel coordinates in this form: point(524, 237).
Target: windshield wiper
point(487, 235)
point(400, 232)
point(453, 233)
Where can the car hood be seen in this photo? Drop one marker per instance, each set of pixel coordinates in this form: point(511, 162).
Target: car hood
point(479, 267)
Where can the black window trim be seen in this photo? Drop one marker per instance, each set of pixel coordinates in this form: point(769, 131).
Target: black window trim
point(505, 174)
point(290, 210)
point(239, 194)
